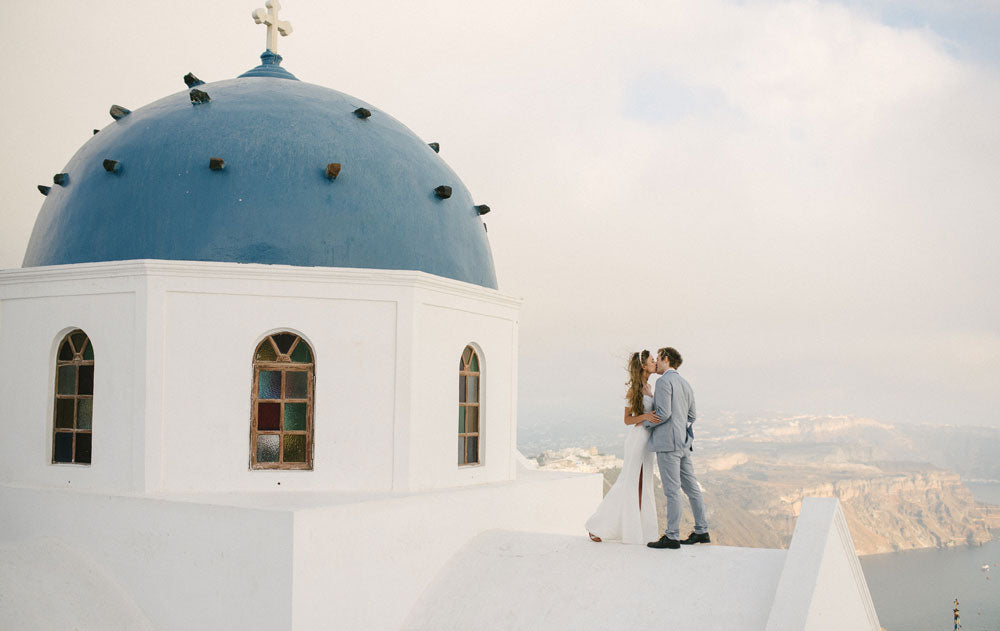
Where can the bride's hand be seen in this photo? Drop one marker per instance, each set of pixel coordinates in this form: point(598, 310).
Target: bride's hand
point(653, 418)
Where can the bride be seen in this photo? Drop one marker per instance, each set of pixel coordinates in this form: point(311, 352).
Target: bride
point(628, 511)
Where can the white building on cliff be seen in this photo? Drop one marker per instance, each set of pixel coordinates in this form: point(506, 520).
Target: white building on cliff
point(229, 401)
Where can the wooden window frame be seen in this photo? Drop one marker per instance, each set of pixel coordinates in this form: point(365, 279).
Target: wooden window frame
point(78, 361)
point(284, 365)
point(466, 371)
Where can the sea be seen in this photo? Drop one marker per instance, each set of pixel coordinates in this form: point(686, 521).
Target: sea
point(915, 590)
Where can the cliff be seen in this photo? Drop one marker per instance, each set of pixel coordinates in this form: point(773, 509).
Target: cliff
point(887, 509)
point(899, 486)
point(992, 516)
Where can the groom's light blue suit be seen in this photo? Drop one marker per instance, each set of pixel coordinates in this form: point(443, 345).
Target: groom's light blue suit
point(671, 438)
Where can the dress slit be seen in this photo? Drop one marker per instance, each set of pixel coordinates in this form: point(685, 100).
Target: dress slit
point(640, 486)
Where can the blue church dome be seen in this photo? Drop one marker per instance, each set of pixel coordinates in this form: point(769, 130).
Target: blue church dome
point(243, 177)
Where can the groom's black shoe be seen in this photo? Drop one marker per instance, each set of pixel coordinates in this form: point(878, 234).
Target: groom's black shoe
point(665, 542)
point(696, 538)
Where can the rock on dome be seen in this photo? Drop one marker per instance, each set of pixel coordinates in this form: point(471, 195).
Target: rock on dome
point(273, 201)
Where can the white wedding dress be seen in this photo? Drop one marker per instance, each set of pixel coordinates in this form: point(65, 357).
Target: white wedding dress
point(618, 517)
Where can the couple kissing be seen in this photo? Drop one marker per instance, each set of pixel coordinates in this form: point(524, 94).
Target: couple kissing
point(660, 420)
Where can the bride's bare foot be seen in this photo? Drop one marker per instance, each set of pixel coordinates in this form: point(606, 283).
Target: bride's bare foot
point(594, 537)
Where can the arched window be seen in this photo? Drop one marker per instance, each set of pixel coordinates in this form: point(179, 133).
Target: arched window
point(468, 407)
point(72, 426)
point(281, 427)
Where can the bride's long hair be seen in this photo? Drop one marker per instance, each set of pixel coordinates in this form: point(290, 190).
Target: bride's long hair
point(636, 380)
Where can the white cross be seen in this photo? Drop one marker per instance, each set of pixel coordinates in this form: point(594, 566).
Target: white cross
point(274, 25)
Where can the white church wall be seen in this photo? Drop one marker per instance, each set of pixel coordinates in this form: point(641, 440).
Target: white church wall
point(38, 307)
point(447, 324)
point(206, 435)
point(175, 343)
point(386, 347)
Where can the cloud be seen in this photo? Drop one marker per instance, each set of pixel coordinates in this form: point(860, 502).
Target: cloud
point(658, 98)
point(966, 29)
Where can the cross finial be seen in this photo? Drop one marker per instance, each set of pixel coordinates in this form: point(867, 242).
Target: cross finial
point(269, 17)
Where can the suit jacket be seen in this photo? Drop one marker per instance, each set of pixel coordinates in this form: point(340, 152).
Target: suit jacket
point(673, 402)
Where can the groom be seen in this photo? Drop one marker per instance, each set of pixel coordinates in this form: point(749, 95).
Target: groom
point(671, 438)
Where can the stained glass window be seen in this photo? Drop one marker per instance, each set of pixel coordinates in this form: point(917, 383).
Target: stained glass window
point(281, 423)
point(73, 409)
point(469, 416)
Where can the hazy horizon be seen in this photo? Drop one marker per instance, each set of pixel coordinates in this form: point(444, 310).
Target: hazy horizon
point(802, 197)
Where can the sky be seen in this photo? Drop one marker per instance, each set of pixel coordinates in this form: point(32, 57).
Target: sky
point(801, 197)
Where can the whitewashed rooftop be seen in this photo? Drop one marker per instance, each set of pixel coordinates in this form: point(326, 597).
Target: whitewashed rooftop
point(518, 580)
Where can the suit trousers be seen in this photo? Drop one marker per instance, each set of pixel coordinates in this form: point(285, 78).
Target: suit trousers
point(677, 473)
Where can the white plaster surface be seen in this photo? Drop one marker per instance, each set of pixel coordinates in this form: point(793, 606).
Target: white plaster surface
point(822, 586)
point(433, 451)
point(365, 565)
point(287, 560)
point(507, 580)
point(185, 566)
point(31, 328)
point(45, 584)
